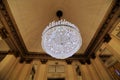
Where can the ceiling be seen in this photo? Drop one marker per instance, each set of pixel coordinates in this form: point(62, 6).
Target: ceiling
point(32, 16)
point(23, 21)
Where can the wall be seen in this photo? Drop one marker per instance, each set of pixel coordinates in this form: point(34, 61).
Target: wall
point(12, 69)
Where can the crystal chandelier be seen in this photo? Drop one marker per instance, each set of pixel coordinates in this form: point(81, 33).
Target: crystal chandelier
point(61, 39)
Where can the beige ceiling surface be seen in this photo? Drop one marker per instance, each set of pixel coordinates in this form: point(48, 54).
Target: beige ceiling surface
point(32, 16)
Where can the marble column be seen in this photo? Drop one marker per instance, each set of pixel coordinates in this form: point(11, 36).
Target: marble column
point(24, 71)
point(37, 69)
point(6, 65)
point(75, 65)
point(28, 72)
point(42, 72)
point(86, 75)
point(100, 69)
point(93, 72)
point(16, 72)
point(12, 69)
point(70, 72)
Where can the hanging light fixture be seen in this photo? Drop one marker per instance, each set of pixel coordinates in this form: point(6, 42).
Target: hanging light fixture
point(61, 39)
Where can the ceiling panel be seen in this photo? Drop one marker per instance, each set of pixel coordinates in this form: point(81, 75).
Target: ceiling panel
point(32, 16)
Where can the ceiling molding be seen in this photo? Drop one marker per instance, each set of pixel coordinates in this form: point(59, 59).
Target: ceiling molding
point(3, 53)
point(5, 37)
point(105, 28)
point(9, 27)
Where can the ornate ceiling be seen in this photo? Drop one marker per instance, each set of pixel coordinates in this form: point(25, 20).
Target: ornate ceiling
point(31, 20)
point(23, 21)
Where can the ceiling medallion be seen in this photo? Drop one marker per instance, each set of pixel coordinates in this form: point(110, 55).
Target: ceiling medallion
point(61, 39)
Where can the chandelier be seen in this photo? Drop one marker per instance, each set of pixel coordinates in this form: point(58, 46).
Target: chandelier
point(61, 39)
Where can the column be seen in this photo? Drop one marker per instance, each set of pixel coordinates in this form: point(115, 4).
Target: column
point(37, 69)
point(93, 72)
point(17, 70)
point(75, 65)
point(70, 72)
point(86, 75)
point(42, 71)
point(12, 69)
point(27, 77)
point(6, 65)
point(24, 71)
point(103, 75)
